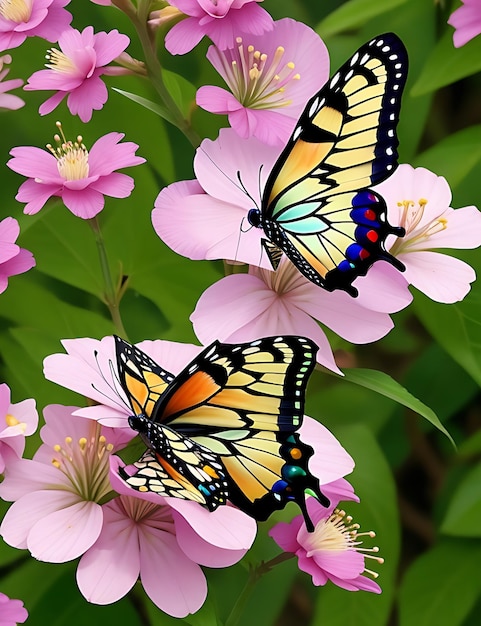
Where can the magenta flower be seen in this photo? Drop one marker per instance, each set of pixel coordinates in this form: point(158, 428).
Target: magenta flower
point(220, 20)
point(71, 172)
point(466, 21)
point(333, 551)
point(419, 201)
point(20, 19)
point(76, 68)
point(12, 612)
point(18, 421)
point(145, 533)
point(13, 259)
point(241, 307)
point(270, 77)
point(56, 512)
point(7, 100)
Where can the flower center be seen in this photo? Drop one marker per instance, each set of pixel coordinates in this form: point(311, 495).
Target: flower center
point(13, 421)
point(16, 10)
point(257, 81)
point(411, 217)
point(337, 533)
point(72, 157)
point(145, 512)
point(59, 62)
point(86, 463)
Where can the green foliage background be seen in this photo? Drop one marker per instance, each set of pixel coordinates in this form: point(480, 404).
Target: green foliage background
point(420, 494)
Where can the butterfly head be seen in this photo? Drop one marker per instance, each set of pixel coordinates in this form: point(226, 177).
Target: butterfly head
point(140, 423)
point(254, 217)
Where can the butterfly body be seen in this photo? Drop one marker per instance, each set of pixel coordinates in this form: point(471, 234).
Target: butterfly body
point(317, 206)
point(226, 427)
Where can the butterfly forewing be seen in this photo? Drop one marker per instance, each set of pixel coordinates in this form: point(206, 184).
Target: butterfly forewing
point(316, 205)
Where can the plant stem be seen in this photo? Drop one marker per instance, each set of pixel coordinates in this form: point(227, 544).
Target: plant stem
point(111, 298)
point(155, 72)
point(254, 575)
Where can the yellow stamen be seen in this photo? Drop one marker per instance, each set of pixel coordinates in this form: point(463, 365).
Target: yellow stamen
point(16, 10)
point(72, 157)
point(11, 421)
point(59, 62)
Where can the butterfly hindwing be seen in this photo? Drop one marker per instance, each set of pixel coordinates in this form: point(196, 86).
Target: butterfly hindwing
point(233, 412)
point(317, 206)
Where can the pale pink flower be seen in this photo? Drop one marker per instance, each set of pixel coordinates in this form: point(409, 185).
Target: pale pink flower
point(466, 21)
point(220, 20)
point(17, 421)
point(76, 69)
point(143, 534)
point(7, 100)
point(20, 19)
point(419, 200)
point(241, 307)
point(56, 512)
point(333, 551)
point(79, 176)
point(271, 79)
point(13, 259)
point(12, 612)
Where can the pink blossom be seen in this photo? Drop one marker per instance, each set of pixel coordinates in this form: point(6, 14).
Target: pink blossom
point(419, 200)
point(466, 21)
point(145, 533)
point(13, 259)
point(332, 551)
point(78, 176)
point(56, 512)
point(7, 100)
point(270, 77)
point(29, 18)
point(220, 20)
point(76, 68)
point(19, 420)
point(241, 307)
point(12, 612)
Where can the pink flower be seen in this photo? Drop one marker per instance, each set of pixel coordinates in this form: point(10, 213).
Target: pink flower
point(466, 21)
point(76, 68)
point(220, 20)
point(332, 551)
point(56, 512)
point(241, 307)
point(7, 100)
point(12, 612)
point(13, 259)
point(28, 18)
point(90, 369)
point(143, 535)
point(18, 420)
point(271, 79)
point(78, 176)
point(419, 201)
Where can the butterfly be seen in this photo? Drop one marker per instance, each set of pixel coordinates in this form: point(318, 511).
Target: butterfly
point(317, 207)
point(226, 427)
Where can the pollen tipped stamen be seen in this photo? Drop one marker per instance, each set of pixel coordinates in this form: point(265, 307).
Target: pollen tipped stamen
point(72, 157)
point(59, 62)
point(17, 11)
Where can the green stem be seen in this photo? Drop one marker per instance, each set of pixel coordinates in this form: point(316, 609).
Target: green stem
point(254, 575)
point(110, 294)
point(155, 72)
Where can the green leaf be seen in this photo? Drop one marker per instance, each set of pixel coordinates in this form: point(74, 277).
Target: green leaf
point(456, 327)
point(181, 90)
point(442, 585)
point(382, 383)
point(353, 14)
point(447, 64)
point(155, 107)
point(374, 484)
point(455, 156)
point(464, 511)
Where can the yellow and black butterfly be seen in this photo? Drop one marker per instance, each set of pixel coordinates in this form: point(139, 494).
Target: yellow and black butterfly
point(317, 207)
point(225, 427)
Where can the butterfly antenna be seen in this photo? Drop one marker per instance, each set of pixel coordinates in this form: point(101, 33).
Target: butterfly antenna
point(241, 186)
point(116, 399)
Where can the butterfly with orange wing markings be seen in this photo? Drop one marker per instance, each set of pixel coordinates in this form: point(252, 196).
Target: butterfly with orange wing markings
point(225, 427)
point(317, 207)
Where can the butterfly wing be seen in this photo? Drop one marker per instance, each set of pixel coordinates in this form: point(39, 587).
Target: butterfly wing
point(243, 405)
point(317, 206)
